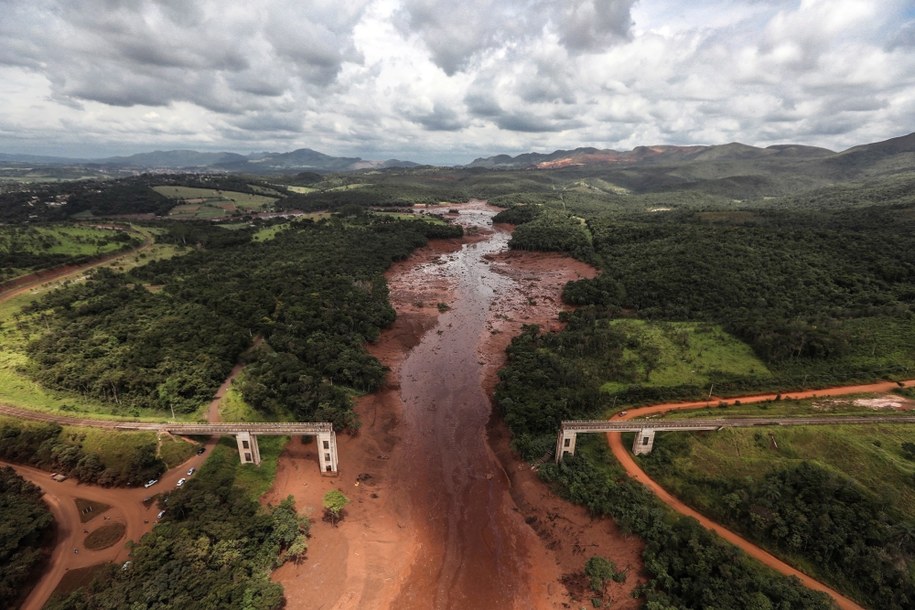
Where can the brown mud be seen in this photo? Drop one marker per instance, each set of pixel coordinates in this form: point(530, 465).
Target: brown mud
point(443, 515)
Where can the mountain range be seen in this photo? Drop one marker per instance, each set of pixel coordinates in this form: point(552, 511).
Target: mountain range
point(303, 159)
point(896, 153)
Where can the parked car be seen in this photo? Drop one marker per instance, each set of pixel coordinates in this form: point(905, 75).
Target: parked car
point(191, 471)
point(180, 482)
point(159, 516)
point(201, 450)
point(151, 482)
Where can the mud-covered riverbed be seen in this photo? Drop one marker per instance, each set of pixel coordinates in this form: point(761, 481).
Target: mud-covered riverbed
point(442, 514)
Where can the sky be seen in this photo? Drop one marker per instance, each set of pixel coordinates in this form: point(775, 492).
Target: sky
point(440, 81)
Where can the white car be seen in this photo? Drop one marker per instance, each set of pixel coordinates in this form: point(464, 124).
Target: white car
point(151, 482)
point(191, 471)
point(180, 482)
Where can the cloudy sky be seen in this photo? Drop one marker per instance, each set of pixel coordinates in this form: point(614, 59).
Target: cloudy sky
point(445, 81)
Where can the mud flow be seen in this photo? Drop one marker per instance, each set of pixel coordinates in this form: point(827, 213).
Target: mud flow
point(469, 556)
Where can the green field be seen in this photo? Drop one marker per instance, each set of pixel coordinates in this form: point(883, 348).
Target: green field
point(203, 203)
point(26, 249)
point(682, 353)
point(870, 455)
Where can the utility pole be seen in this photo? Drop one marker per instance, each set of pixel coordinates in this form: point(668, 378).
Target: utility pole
point(710, 393)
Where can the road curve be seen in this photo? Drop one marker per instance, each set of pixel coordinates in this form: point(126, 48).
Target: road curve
point(629, 464)
point(126, 507)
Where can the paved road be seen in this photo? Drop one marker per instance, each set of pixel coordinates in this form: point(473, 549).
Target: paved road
point(632, 468)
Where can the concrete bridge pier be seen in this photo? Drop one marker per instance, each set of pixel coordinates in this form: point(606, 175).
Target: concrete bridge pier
point(327, 451)
point(565, 443)
point(248, 450)
point(644, 442)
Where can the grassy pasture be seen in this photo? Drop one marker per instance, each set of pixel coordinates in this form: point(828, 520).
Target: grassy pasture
point(206, 203)
point(871, 455)
point(683, 353)
point(242, 200)
point(26, 249)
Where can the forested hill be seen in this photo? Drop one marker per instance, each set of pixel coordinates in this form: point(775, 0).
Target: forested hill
point(169, 333)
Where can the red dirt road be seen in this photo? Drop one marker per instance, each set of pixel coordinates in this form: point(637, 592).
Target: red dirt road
point(632, 468)
point(126, 507)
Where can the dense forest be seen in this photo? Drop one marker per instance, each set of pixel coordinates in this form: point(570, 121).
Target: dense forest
point(214, 549)
point(167, 334)
point(822, 294)
point(25, 535)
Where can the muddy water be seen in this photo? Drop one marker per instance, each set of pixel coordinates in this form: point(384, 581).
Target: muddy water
point(471, 553)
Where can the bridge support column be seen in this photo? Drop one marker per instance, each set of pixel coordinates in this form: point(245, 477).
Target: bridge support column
point(565, 444)
point(327, 452)
point(248, 450)
point(644, 442)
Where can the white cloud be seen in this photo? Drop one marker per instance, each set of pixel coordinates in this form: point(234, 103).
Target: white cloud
point(438, 80)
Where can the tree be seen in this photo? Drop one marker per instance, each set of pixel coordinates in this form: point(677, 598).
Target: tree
point(599, 571)
point(334, 503)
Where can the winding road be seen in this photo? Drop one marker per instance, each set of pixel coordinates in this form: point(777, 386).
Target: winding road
point(632, 468)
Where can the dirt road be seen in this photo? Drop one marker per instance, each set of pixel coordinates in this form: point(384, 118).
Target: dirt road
point(22, 284)
point(625, 458)
point(126, 507)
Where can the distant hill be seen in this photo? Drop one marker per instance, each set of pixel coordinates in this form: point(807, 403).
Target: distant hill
point(648, 155)
point(303, 159)
point(759, 169)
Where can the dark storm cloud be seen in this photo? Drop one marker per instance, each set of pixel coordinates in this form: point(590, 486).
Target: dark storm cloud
point(269, 122)
point(531, 123)
point(483, 105)
point(593, 25)
point(457, 32)
point(440, 119)
point(146, 52)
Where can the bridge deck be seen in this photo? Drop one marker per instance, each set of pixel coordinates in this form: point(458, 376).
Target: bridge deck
point(634, 425)
point(258, 428)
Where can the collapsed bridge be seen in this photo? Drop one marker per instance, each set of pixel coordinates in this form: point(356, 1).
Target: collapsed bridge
point(646, 428)
point(246, 434)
